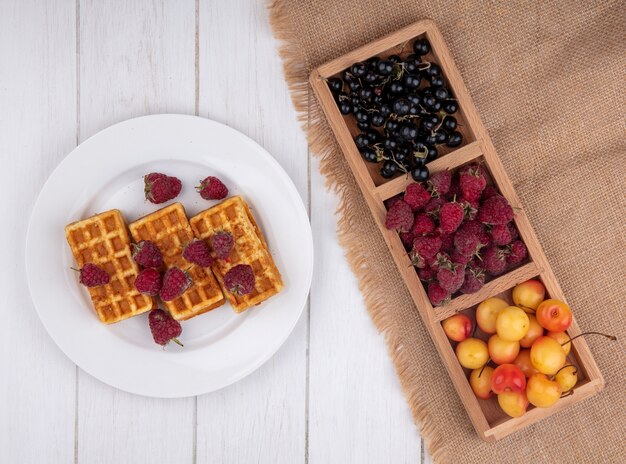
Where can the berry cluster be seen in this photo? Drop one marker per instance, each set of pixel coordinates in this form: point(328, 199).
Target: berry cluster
point(403, 109)
point(457, 229)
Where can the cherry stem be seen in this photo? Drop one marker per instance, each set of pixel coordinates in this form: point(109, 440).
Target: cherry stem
point(610, 337)
point(74, 269)
point(565, 367)
point(483, 368)
point(177, 341)
point(571, 392)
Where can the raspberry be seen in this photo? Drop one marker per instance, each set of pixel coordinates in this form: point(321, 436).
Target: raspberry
point(147, 254)
point(494, 260)
point(475, 227)
point(222, 243)
point(455, 188)
point(426, 274)
point(451, 217)
point(466, 242)
point(451, 277)
point(149, 282)
point(441, 259)
point(212, 188)
point(197, 252)
point(513, 231)
point(474, 279)
point(447, 241)
point(517, 253)
point(472, 182)
point(434, 206)
point(437, 295)
point(160, 188)
point(175, 282)
point(164, 328)
point(439, 183)
point(389, 203)
point(470, 208)
point(489, 192)
point(239, 280)
point(416, 196)
point(495, 210)
point(407, 239)
point(423, 225)
point(501, 234)
point(92, 275)
point(399, 216)
point(459, 258)
point(424, 248)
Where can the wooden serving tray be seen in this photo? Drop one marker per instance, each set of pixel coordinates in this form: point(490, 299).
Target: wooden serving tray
point(488, 419)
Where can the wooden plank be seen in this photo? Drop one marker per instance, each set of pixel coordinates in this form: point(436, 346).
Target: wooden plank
point(37, 129)
point(261, 418)
point(459, 157)
point(375, 195)
point(136, 58)
point(490, 289)
point(358, 412)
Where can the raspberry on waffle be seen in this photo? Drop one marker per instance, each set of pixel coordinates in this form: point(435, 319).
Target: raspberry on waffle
point(103, 240)
point(233, 215)
point(169, 229)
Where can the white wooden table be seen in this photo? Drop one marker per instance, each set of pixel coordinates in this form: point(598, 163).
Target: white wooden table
point(69, 68)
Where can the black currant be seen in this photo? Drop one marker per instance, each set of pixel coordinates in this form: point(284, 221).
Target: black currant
point(370, 77)
point(420, 174)
point(436, 81)
point(401, 107)
point(430, 139)
point(440, 136)
point(362, 116)
point(373, 135)
point(421, 47)
point(358, 69)
point(335, 84)
point(392, 125)
point(433, 70)
point(384, 67)
point(449, 123)
point(413, 98)
point(450, 106)
point(369, 155)
point(394, 58)
point(454, 139)
point(354, 85)
point(362, 141)
point(432, 154)
point(345, 107)
point(385, 110)
point(377, 119)
point(396, 88)
point(411, 81)
point(441, 93)
point(386, 174)
point(390, 144)
point(408, 131)
point(363, 125)
point(366, 93)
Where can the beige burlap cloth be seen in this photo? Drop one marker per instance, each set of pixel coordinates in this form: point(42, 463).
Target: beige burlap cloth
point(548, 78)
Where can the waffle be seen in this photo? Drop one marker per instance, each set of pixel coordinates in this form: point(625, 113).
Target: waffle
point(103, 240)
point(169, 229)
point(233, 215)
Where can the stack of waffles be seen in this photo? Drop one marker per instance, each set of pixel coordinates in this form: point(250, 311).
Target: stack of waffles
point(103, 240)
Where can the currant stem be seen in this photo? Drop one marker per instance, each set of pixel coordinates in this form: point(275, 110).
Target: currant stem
point(610, 337)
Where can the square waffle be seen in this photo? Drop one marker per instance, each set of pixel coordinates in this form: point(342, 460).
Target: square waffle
point(103, 240)
point(169, 229)
point(233, 215)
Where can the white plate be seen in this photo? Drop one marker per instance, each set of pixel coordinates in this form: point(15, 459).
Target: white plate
point(106, 172)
